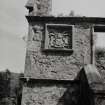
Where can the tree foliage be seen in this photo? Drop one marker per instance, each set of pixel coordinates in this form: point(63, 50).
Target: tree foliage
point(10, 88)
point(5, 84)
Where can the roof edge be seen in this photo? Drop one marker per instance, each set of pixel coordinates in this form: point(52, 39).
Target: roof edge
point(92, 20)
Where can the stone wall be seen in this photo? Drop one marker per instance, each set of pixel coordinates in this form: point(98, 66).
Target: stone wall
point(53, 65)
point(42, 95)
point(56, 65)
point(48, 94)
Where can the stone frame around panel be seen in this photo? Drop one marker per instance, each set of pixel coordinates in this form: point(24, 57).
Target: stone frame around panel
point(58, 37)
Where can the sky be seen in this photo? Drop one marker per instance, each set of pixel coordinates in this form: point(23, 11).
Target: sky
point(13, 26)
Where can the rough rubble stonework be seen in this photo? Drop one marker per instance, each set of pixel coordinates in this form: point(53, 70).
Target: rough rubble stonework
point(40, 65)
point(47, 94)
point(39, 7)
point(43, 95)
point(52, 65)
point(100, 64)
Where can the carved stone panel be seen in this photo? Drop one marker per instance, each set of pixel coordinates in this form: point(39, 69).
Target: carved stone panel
point(58, 37)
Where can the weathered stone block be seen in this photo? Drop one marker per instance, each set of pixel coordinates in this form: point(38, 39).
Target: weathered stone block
point(39, 7)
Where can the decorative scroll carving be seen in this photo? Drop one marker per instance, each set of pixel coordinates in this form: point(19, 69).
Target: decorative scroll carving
point(58, 36)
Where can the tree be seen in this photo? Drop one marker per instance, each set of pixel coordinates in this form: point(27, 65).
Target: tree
point(5, 85)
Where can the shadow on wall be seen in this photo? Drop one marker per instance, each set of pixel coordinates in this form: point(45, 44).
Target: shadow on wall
point(82, 93)
point(71, 96)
